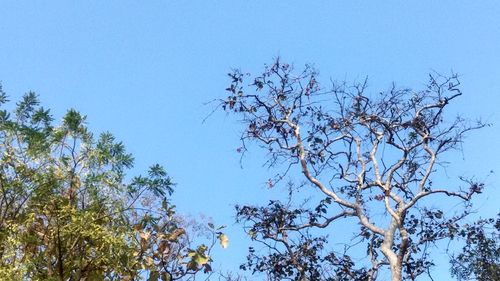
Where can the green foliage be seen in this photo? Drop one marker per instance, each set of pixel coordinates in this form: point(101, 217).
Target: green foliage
point(67, 213)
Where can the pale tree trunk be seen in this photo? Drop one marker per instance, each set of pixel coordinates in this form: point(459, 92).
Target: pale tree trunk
point(386, 248)
point(396, 272)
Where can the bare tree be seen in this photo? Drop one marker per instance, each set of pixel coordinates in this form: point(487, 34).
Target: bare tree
point(368, 154)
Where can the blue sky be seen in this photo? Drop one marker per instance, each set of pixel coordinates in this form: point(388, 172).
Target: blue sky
point(144, 70)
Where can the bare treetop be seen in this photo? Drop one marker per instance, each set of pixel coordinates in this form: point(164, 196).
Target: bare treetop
point(361, 150)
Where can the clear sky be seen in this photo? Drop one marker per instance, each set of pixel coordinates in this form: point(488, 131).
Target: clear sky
point(144, 69)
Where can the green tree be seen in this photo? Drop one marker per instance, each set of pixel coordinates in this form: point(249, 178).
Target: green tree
point(67, 211)
point(372, 157)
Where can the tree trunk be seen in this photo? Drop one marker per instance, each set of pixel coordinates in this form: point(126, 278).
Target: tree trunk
point(396, 272)
point(386, 248)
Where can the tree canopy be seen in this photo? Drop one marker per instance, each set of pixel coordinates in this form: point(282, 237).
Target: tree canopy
point(373, 157)
point(68, 211)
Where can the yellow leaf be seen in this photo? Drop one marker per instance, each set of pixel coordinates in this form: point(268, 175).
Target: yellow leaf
point(149, 261)
point(176, 233)
point(224, 240)
point(201, 259)
point(145, 235)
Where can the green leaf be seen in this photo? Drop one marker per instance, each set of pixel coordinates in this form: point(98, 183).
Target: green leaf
point(201, 259)
point(154, 276)
point(166, 276)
